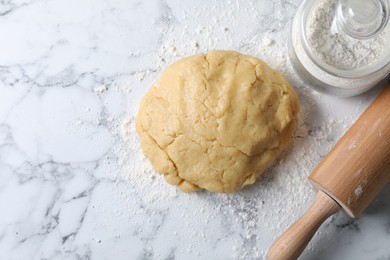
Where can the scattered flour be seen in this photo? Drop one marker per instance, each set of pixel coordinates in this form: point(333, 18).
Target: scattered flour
point(359, 191)
point(267, 207)
point(267, 41)
point(100, 89)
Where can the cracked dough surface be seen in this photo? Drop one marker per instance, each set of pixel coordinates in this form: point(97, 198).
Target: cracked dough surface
point(216, 121)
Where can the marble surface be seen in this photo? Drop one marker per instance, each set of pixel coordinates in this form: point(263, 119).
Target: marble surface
point(72, 188)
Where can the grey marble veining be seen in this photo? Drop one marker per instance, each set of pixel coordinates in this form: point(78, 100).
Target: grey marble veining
point(61, 65)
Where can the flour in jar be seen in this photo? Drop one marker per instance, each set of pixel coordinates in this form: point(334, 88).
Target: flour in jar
point(336, 48)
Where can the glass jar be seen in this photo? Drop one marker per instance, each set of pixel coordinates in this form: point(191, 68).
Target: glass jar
point(341, 47)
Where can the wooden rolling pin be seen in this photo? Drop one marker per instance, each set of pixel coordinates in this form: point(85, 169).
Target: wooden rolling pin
point(349, 177)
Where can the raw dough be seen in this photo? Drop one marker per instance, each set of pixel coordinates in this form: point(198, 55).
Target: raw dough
point(216, 121)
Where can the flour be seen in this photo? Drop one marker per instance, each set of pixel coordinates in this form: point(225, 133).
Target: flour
point(359, 191)
point(100, 89)
point(267, 41)
point(336, 48)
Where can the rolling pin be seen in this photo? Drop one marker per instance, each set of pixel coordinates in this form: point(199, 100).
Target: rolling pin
point(349, 177)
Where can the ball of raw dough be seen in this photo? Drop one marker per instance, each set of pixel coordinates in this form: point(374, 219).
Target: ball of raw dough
point(216, 121)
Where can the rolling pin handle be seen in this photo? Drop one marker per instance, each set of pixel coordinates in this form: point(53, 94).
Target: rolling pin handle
point(290, 245)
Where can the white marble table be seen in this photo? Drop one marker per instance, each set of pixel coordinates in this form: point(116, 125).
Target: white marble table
point(71, 187)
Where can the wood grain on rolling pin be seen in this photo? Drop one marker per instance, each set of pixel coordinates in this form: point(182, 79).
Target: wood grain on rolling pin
point(358, 167)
